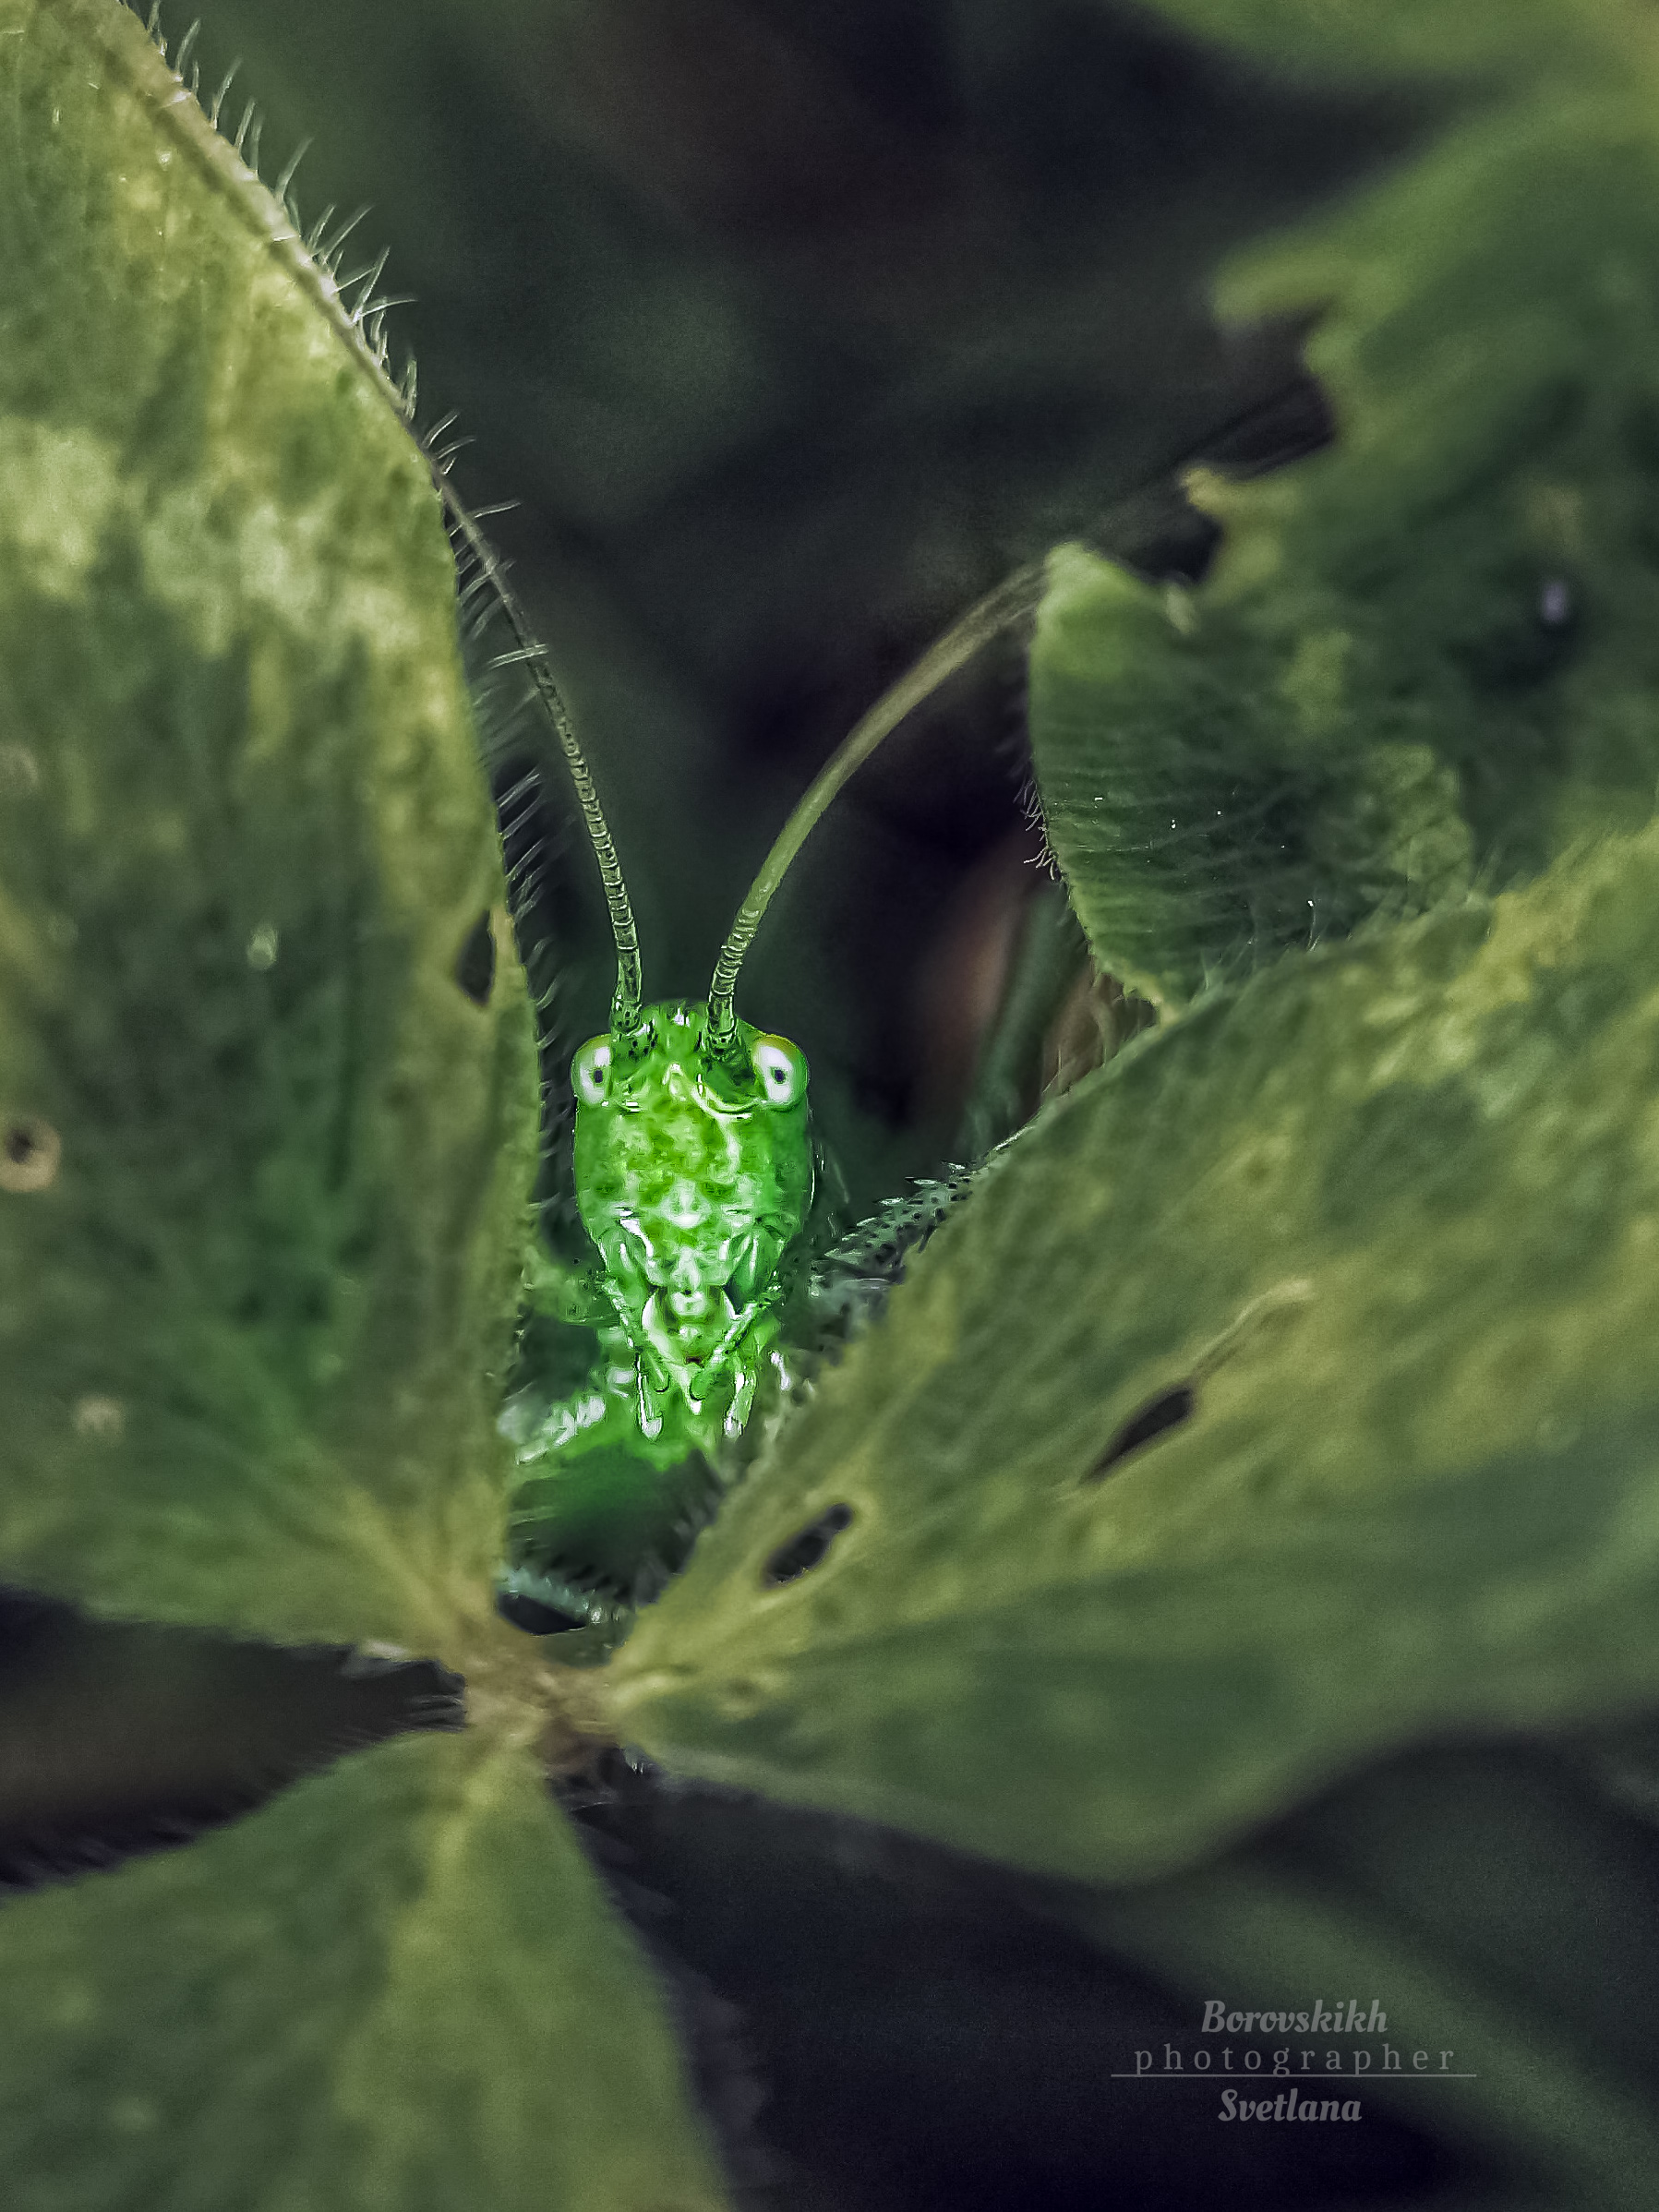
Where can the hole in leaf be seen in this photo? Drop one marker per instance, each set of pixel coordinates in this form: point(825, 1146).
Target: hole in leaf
point(30, 1151)
point(476, 967)
point(1167, 1411)
point(804, 1552)
point(534, 1618)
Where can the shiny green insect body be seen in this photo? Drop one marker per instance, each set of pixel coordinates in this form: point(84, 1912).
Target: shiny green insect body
point(694, 1176)
point(694, 1169)
point(695, 1173)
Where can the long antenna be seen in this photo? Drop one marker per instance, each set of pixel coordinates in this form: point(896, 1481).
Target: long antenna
point(1017, 596)
point(625, 1004)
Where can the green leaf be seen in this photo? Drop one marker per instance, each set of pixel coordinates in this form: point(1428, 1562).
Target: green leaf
point(1388, 1213)
point(1556, 40)
point(1205, 795)
point(397, 1988)
point(1433, 645)
point(265, 1160)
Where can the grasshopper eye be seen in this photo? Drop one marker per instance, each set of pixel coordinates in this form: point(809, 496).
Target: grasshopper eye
point(589, 1071)
point(782, 1069)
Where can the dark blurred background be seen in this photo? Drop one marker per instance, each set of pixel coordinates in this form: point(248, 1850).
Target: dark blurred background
point(792, 328)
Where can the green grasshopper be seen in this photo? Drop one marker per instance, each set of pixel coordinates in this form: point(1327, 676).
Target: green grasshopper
point(694, 1169)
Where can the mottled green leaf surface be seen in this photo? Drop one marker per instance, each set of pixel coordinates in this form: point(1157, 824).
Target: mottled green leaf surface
point(397, 1988)
point(1431, 650)
point(1208, 822)
point(265, 1158)
point(1389, 1210)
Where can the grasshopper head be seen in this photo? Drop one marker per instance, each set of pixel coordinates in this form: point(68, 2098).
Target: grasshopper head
point(693, 1164)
